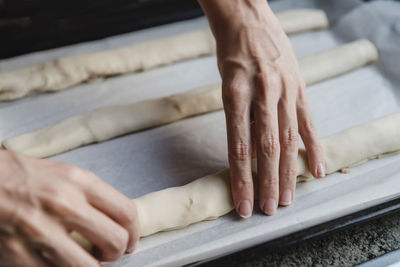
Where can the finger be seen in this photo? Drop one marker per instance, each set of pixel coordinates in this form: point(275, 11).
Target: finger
point(15, 253)
point(110, 238)
point(308, 132)
point(118, 207)
point(288, 135)
point(267, 142)
point(75, 213)
point(65, 252)
point(47, 235)
point(253, 136)
point(111, 202)
point(237, 112)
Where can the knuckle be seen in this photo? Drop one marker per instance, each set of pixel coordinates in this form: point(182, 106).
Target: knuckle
point(63, 205)
point(272, 81)
point(288, 173)
point(240, 151)
point(229, 93)
point(48, 191)
point(30, 221)
point(79, 176)
point(72, 172)
point(271, 182)
point(232, 89)
point(60, 198)
point(264, 110)
point(233, 96)
point(268, 87)
point(289, 79)
point(308, 128)
point(291, 139)
point(243, 183)
point(270, 145)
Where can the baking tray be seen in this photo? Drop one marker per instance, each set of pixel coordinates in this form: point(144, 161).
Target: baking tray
point(180, 152)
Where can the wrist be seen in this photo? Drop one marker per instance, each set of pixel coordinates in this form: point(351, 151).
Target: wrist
point(227, 16)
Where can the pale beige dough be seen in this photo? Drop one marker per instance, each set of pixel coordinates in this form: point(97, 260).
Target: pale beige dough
point(108, 122)
point(209, 197)
point(68, 71)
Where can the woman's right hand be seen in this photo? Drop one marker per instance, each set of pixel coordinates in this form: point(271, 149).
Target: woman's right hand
point(42, 201)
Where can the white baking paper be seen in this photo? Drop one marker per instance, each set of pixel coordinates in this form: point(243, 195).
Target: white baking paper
point(180, 152)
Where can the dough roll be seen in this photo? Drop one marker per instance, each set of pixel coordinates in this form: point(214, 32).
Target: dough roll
point(65, 72)
point(109, 122)
point(332, 62)
point(209, 197)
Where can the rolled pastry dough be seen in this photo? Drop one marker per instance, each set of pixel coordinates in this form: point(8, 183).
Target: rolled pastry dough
point(108, 122)
point(209, 197)
point(65, 72)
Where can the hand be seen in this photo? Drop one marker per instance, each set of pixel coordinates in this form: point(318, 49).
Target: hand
point(264, 101)
point(41, 201)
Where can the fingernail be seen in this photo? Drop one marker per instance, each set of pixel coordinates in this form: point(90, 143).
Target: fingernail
point(321, 170)
point(286, 198)
point(269, 206)
point(132, 249)
point(245, 209)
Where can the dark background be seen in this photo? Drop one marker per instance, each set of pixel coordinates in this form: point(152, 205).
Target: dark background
point(32, 25)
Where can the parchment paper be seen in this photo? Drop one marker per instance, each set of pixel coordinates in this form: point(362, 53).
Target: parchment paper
point(180, 152)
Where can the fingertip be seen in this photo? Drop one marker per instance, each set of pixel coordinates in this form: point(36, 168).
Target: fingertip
point(316, 161)
point(133, 227)
point(243, 194)
point(132, 247)
point(244, 209)
point(269, 206)
point(319, 170)
point(286, 197)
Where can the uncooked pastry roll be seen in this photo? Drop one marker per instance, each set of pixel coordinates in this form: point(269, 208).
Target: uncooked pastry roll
point(108, 122)
point(61, 73)
point(300, 20)
point(209, 197)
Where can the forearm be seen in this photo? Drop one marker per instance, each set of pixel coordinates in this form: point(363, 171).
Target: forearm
point(224, 15)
